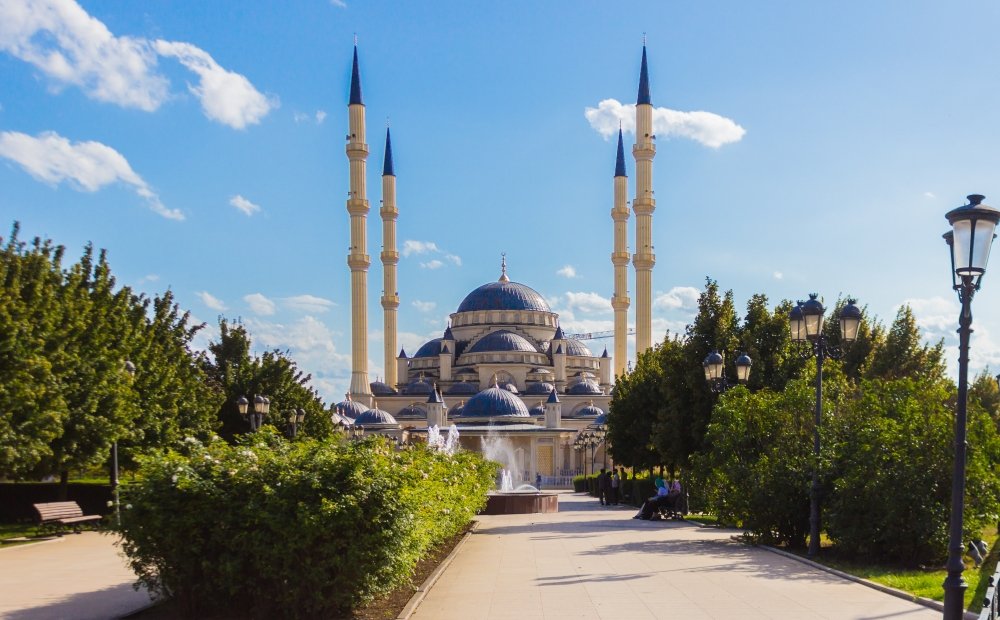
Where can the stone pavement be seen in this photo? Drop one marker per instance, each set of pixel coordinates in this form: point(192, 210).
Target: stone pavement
point(78, 577)
point(593, 562)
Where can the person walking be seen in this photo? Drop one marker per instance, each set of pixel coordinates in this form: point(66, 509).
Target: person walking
point(604, 487)
point(538, 481)
point(616, 483)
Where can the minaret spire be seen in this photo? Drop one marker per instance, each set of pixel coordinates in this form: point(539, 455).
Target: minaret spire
point(503, 268)
point(390, 258)
point(358, 259)
point(644, 204)
point(620, 301)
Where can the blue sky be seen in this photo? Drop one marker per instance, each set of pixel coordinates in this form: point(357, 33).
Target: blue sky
point(802, 147)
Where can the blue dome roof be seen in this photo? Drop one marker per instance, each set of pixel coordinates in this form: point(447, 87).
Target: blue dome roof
point(590, 411)
point(411, 411)
point(587, 386)
point(463, 388)
point(374, 417)
point(539, 387)
point(350, 408)
point(380, 388)
point(419, 387)
point(601, 420)
point(456, 410)
point(495, 402)
point(502, 340)
point(575, 347)
point(537, 410)
point(431, 348)
point(503, 296)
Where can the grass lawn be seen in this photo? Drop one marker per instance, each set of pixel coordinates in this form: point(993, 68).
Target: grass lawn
point(16, 530)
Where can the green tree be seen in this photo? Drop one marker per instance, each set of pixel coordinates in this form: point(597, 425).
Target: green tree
point(635, 401)
point(904, 353)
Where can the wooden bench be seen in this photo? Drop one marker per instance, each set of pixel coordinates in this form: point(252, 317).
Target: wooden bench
point(53, 514)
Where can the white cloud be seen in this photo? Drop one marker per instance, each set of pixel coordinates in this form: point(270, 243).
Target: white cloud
point(320, 116)
point(211, 301)
point(588, 302)
point(929, 195)
point(73, 48)
point(308, 303)
point(86, 166)
point(418, 247)
point(340, 4)
point(707, 128)
point(778, 275)
point(424, 306)
point(300, 117)
point(259, 304)
point(310, 344)
point(455, 260)
point(678, 298)
point(432, 264)
point(226, 96)
point(248, 208)
point(937, 318)
point(152, 277)
point(569, 271)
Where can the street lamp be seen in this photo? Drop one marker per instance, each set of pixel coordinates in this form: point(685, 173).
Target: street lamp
point(806, 324)
point(129, 369)
point(295, 417)
point(969, 240)
point(715, 374)
point(261, 405)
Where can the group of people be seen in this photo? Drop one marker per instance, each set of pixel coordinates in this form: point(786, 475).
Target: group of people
point(666, 498)
point(609, 487)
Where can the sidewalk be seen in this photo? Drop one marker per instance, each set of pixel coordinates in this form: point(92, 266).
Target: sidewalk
point(78, 576)
point(592, 562)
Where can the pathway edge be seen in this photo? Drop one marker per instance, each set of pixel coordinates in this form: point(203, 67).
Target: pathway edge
point(418, 596)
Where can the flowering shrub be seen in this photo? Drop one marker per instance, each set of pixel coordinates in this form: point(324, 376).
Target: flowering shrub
point(293, 530)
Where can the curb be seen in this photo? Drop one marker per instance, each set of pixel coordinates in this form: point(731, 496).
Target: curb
point(418, 596)
point(926, 602)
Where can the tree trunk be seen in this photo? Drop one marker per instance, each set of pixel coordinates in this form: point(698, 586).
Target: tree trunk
point(63, 490)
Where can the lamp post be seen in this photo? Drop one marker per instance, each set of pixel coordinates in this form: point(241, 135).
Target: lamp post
point(295, 417)
point(806, 324)
point(969, 240)
point(261, 406)
point(715, 375)
point(129, 369)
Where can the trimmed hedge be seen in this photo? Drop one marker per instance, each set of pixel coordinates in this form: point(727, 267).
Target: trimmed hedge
point(300, 529)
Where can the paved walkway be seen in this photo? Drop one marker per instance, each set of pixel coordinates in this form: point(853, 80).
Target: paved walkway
point(78, 577)
point(593, 562)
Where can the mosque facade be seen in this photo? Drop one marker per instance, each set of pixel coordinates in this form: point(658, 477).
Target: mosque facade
point(503, 366)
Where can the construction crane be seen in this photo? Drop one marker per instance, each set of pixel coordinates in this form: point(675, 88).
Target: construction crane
point(598, 335)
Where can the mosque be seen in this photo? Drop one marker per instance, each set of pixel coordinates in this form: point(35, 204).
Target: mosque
point(503, 366)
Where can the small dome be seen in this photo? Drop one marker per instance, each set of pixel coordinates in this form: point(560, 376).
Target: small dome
point(502, 340)
point(457, 409)
point(336, 418)
point(411, 411)
point(587, 386)
point(585, 375)
point(539, 371)
point(463, 388)
point(382, 389)
point(537, 410)
point(575, 347)
point(431, 348)
point(375, 417)
point(495, 402)
point(510, 387)
point(350, 408)
point(419, 387)
point(601, 420)
point(590, 411)
point(539, 387)
point(504, 296)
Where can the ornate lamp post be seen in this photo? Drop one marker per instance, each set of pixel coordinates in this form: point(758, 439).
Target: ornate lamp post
point(261, 406)
point(715, 374)
point(969, 240)
point(295, 417)
point(806, 324)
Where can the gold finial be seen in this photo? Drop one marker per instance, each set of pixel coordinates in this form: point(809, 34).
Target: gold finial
point(503, 267)
point(494, 379)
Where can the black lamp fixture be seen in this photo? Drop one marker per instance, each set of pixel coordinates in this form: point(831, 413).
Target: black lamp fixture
point(806, 324)
point(261, 406)
point(971, 236)
point(295, 418)
point(715, 373)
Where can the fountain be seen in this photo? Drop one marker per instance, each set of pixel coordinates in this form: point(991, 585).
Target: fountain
point(447, 444)
point(508, 499)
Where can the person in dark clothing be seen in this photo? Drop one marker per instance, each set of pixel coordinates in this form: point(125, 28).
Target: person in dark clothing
point(604, 487)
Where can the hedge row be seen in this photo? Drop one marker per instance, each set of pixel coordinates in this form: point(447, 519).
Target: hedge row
point(293, 530)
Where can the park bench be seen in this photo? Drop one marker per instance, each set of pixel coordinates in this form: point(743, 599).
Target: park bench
point(51, 515)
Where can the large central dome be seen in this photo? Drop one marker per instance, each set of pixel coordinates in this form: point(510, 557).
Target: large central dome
point(504, 295)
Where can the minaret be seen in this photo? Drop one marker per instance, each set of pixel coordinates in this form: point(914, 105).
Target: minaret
point(619, 258)
point(358, 260)
point(644, 204)
point(390, 258)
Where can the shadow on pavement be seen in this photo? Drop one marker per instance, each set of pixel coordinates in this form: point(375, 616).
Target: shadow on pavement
point(112, 602)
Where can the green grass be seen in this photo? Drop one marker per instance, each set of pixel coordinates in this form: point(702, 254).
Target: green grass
point(16, 530)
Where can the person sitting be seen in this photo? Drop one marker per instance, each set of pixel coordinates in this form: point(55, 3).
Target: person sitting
point(673, 496)
point(652, 505)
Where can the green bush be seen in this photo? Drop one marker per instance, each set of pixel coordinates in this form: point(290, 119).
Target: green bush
point(300, 529)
